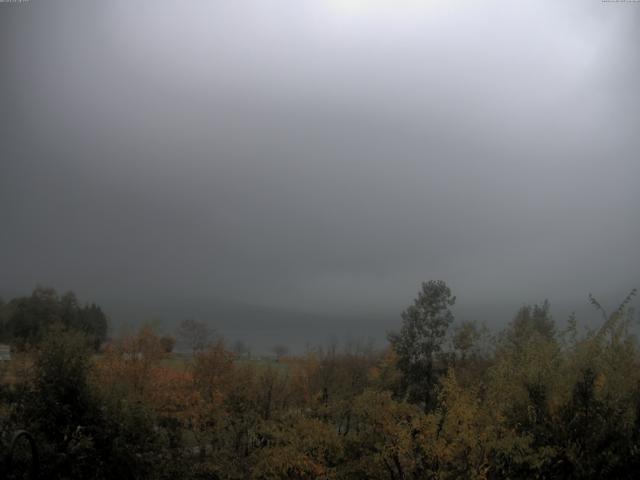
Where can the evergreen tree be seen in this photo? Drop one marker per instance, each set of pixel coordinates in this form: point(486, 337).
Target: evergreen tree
point(424, 326)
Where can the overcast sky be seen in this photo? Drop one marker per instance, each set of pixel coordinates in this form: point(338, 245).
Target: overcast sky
point(321, 157)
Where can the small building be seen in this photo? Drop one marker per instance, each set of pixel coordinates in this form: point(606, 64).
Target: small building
point(132, 356)
point(5, 352)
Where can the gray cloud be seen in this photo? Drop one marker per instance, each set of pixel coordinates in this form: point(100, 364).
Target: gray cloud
point(320, 157)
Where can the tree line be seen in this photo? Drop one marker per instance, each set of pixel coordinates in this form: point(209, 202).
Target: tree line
point(443, 400)
point(24, 321)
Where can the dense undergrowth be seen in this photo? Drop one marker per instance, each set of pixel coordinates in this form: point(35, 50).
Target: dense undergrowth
point(444, 400)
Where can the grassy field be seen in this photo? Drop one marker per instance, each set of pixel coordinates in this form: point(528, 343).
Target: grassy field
point(181, 361)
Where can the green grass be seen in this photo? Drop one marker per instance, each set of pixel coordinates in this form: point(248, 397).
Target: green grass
point(181, 362)
point(176, 361)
